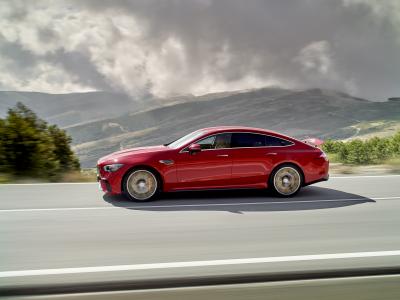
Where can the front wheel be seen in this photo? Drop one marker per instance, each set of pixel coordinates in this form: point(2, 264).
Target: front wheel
point(286, 180)
point(141, 185)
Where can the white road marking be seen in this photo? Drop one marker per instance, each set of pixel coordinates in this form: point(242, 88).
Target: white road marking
point(69, 183)
point(59, 209)
point(364, 176)
point(198, 205)
point(45, 183)
point(200, 263)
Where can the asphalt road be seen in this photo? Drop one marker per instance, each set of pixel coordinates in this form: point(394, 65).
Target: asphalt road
point(67, 233)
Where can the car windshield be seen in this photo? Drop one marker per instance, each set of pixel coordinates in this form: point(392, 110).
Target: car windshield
point(185, 139)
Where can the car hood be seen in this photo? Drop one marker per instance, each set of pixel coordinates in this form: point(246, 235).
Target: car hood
point(116, 156)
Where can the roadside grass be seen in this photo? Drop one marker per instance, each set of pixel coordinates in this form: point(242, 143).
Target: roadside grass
point(85, 175)
point(339, 168)
point(389, 166)
point(5, 178)
point(9, 178)
point(394, 164)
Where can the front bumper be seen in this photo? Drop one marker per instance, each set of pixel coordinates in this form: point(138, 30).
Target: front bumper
point(110, 182)
point(104, 185)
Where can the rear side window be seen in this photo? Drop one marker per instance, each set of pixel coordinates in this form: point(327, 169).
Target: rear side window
point(247, 140)
point(256, 140)
point(274, 141)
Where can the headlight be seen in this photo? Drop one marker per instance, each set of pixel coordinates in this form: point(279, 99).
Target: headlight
point(112, 167)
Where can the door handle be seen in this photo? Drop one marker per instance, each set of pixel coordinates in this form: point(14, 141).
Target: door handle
point(222, 155)
point(167, 161)
point(271, 153)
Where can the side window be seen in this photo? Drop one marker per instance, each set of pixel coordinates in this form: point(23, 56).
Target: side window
point(274, 141)
point(223, 140)
point(207, 143)
point(247, 140)
point(218, 141)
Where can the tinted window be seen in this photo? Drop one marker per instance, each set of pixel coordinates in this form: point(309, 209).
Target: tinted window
point(256, 140)
point(247, 140)
point(223, 140)
point(274, 141)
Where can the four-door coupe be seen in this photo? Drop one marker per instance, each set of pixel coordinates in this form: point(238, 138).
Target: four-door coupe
point(214, 158)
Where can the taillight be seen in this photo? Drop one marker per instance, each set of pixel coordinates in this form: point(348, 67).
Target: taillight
point(324, 156)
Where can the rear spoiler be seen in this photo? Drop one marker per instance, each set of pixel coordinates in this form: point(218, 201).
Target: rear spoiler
point(313, 142)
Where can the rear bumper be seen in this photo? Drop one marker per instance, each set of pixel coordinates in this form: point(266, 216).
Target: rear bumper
point(325, 178)
point(317, 171)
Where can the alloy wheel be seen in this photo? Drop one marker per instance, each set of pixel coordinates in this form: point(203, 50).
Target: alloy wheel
point(287, 181)
point(141, 184)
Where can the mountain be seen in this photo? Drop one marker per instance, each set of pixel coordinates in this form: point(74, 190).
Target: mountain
point(66, 110)
point(300, 113)
point(71, 109)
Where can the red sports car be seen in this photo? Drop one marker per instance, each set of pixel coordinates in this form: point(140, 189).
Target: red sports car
point(214, 158)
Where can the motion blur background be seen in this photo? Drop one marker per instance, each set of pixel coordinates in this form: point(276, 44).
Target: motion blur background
point(82, 78)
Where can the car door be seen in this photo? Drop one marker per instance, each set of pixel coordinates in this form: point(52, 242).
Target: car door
point(254, 156)
point(209, 168)
point(251, 162)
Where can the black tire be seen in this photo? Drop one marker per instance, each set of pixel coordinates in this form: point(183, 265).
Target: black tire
point(141, 185)
point(286, 180)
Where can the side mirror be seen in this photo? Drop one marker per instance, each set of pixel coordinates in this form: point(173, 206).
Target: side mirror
point(194, 148)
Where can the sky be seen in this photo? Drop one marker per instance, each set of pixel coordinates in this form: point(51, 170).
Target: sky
point(166, 48)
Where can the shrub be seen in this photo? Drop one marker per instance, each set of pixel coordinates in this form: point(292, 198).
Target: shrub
point(371, 151)
point(395, 144)
point(331, 146)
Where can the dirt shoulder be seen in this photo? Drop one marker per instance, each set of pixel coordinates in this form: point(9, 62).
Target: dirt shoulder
point(382, 169)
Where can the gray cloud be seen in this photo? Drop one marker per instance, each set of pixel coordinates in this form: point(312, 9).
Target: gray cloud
point(169, 47)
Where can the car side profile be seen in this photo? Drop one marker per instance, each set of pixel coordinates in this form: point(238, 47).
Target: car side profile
point(224, 157)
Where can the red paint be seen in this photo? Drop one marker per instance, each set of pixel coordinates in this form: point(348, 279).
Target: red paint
point(216, 168)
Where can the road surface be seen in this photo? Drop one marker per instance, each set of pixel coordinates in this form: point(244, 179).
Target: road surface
point(72, 233)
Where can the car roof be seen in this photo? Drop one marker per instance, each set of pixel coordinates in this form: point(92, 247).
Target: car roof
point(238, 128)
point(217, 129)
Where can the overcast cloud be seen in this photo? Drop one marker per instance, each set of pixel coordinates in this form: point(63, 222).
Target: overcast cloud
point(170, 47)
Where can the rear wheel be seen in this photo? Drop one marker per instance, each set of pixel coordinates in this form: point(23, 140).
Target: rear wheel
point(286, 180)
point(141, 185)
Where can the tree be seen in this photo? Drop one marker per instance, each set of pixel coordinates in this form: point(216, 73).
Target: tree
point(2, 151)
point(31, 148)
point(65, 156)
